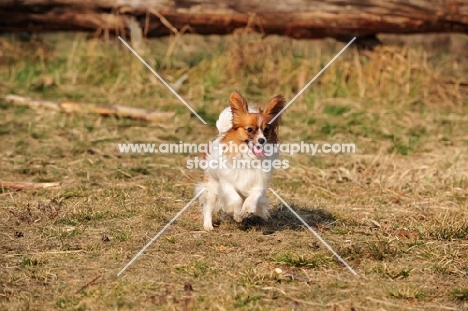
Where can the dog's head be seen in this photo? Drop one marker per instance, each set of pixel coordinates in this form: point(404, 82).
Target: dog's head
point(253, 129)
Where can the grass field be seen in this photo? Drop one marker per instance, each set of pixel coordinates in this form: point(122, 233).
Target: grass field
point(396, 210)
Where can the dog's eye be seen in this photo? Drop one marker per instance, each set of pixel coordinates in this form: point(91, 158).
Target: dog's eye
point(250, 130)
point(265, 130)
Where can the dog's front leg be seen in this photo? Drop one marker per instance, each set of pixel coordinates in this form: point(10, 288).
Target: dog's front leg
point(208, 208)
point(251, 202)
point(232, 201)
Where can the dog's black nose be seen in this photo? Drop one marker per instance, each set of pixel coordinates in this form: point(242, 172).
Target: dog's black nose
point(261, 141)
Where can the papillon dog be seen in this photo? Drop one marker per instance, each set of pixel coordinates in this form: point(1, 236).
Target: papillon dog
point(235, 180)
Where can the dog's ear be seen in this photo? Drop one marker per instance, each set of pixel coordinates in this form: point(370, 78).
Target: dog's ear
point(238, 106)
point(274, 106)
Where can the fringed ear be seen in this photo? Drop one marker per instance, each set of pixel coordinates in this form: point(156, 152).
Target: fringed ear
point(238, 106)
point(274, 106)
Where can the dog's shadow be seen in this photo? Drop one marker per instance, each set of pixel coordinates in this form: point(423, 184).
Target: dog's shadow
point(281, 218)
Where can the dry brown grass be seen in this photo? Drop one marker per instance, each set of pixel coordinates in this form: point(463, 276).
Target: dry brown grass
point(396, 210)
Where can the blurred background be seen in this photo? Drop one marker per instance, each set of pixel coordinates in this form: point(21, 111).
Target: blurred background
point(396, 209)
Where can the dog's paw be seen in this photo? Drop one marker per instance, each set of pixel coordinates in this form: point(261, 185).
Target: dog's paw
point(208, 226)
point(249, 207)
point(238, 217)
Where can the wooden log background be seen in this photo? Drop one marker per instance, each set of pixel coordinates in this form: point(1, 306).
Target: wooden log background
point(294, 18)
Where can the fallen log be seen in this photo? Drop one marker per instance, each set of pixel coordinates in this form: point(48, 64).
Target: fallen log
point(104, 110)
point(27, 185)
point(294, 18)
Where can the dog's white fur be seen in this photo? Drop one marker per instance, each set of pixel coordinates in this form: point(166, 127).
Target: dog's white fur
point(239, 192)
